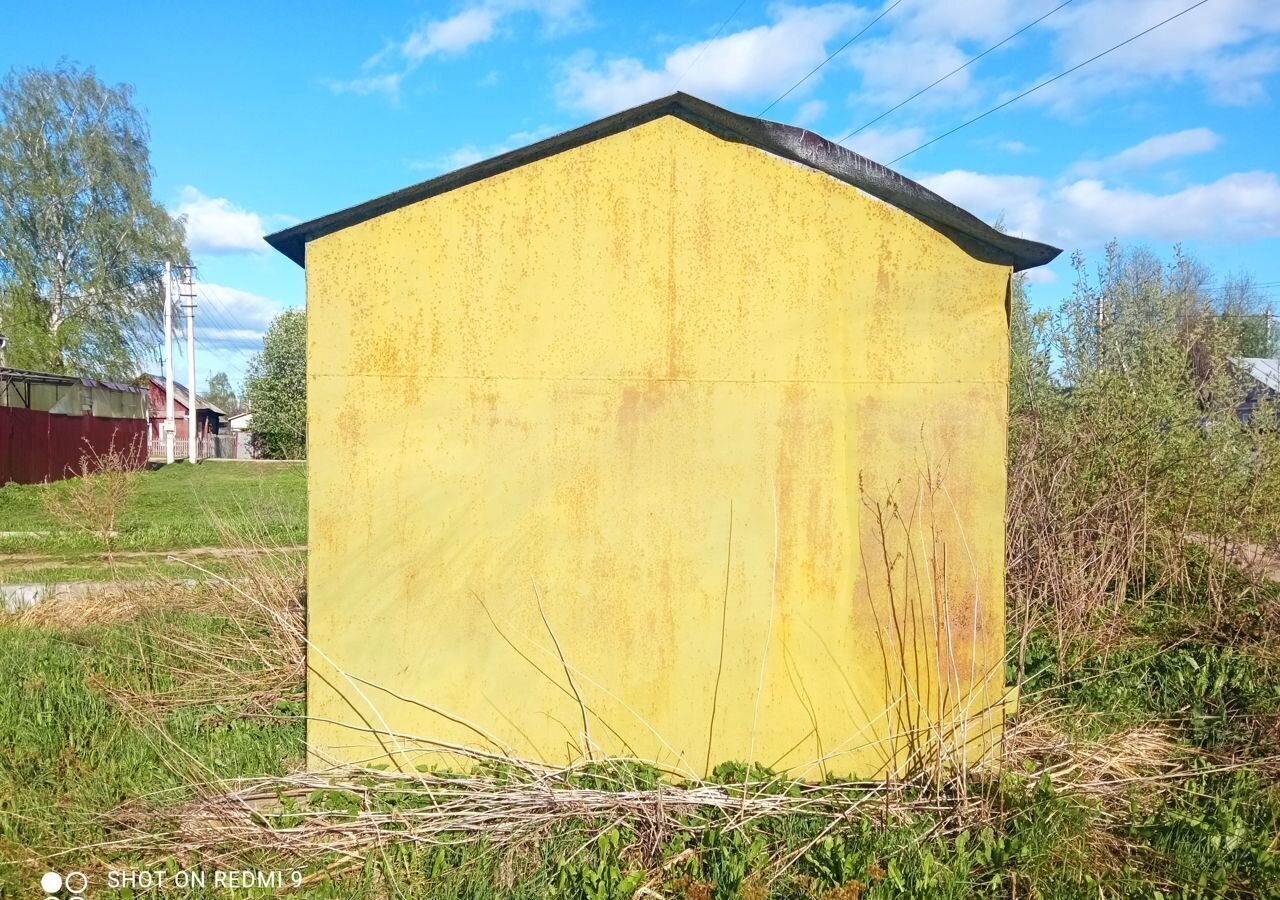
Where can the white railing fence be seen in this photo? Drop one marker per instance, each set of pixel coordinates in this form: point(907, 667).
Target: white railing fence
point(232, 445)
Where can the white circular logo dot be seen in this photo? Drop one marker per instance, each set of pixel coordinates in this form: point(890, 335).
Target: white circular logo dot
point(76, 882)
point(51, 882)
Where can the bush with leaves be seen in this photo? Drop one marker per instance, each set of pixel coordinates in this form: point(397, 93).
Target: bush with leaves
point(1127, 450)
point(95, 500)
point(276, 389)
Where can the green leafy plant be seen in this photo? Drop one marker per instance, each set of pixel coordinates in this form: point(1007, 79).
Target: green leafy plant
point(605, 878)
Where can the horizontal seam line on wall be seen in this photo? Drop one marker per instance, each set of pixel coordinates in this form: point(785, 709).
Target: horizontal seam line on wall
point(642, 379)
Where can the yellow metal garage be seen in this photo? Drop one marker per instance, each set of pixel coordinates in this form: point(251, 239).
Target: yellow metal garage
point(679, 436)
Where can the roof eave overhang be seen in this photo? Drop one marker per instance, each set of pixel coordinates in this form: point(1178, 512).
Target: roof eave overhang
point(787, 141)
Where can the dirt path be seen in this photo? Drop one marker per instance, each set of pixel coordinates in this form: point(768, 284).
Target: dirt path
point(187, 553)
point(1255, 558)
point(1248, 556)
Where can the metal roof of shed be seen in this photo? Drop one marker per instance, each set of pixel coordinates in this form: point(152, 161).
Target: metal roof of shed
point(1264, 370)
point(32, 376)
point(787, 141)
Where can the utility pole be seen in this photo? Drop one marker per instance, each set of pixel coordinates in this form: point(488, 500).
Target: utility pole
point(169, 425)
point(189, 293)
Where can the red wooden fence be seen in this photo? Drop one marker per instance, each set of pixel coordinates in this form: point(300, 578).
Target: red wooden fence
point(38, 446)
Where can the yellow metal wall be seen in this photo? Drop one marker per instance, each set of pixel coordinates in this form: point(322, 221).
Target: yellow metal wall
point(728, 431)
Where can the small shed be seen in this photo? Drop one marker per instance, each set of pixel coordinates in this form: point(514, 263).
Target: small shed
point(698, 455)
point(1261, 378)
point(49, 423)
point(241, 427)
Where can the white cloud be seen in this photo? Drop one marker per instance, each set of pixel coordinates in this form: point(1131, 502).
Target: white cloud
point(755, 63)
point(216, 225)
point(1087, 212)
point(1228, 47)
point(924, 40)
point(984, 21)
point(1013, 146)
point(362, 87)
point(886, 145)
point(1154, 150)
point(809, 112)
point(476, 23)
point(1242, 206)
point(894, 68)
point(1017, 200)
point(1040, 275)
point(452, 35)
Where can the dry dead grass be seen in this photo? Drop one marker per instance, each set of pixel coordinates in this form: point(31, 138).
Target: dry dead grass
point(506, 801)
point(1106, 768)
point(261, 601)
point(294, 817)
point(94, 500)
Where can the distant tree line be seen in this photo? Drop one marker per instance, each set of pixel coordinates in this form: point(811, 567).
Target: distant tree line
point(1129, 445)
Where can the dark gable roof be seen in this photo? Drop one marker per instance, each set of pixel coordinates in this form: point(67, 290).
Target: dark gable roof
point(785, 141)
point(181, 394)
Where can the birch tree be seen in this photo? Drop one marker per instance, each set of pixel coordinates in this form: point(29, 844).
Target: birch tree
point(82, 241)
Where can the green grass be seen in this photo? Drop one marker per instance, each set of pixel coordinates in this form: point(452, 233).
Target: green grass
point(177, 507)
point(70, 755)
point(74, 766)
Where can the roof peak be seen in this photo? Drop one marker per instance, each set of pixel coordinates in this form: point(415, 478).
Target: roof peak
point(787, 141)
point(182, 394)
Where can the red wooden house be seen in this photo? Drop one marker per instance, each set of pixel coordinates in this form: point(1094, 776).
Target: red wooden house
point(209, 417)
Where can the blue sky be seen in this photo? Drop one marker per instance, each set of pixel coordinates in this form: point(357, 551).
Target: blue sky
point(264, 114)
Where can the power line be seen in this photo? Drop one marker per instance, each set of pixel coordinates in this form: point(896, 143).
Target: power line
point(956, 70)
point(1049, 81)
point(222, 314)
point(693, 65)
point(220, 319)
point(837, 52)
point(223, 319)
point(210, 313)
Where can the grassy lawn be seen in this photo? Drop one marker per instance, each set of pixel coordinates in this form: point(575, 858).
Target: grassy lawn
point(175, 508)
point(73, 756)
point(1188, 689)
